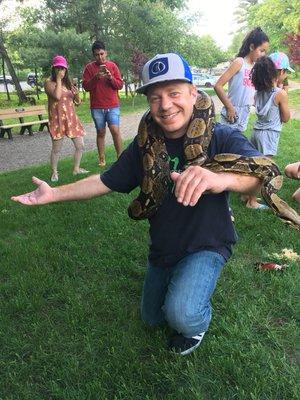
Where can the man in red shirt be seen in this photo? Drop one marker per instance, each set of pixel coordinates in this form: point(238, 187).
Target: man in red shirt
point(102, 79)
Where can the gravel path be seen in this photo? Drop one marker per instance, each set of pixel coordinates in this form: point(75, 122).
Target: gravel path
point(28, 150)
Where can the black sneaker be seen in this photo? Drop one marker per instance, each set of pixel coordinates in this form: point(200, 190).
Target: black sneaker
point(183, 345)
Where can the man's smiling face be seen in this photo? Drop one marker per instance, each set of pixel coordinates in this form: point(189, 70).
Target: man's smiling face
point(171, 106)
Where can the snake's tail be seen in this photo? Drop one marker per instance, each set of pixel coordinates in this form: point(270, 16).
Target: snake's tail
point(282, 209)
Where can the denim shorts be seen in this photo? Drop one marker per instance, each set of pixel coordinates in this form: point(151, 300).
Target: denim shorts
point(102, 116)
point(241, 122)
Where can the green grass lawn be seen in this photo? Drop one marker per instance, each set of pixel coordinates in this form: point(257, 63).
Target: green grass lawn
point(294, 98)
point(71, 277)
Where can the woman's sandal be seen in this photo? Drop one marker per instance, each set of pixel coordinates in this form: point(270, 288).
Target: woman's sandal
point(54, 177)
point(259, 207)
point(81, 171)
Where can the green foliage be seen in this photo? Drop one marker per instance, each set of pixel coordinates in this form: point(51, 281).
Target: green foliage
point(161, 37)
point(277, 18)
point(128, 26)
point(172, 4)
point(242, 10)
point(202, 51)
point(39, 46)
point(78, 15)
point(294, 99)
point(236, 43)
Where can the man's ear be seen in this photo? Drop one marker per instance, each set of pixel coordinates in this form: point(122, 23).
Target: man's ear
point(194, 93)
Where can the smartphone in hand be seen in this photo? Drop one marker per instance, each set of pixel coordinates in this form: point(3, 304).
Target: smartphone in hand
point(102, 70)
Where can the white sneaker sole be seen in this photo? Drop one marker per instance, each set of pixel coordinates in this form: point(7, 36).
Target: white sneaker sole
point(191, 349)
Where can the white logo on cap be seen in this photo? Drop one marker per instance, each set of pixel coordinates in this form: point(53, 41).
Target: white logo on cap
point(157, 68)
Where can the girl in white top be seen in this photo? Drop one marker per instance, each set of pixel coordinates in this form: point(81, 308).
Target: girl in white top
point(240, 88)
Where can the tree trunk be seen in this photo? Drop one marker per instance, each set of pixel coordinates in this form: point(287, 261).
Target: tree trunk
point(36, 83)
point(10, 67)
point(5, 83)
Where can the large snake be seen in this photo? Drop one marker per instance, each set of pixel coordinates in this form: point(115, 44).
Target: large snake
point(156, 175)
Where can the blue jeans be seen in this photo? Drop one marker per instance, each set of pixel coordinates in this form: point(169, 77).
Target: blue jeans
point(101, 116)
point(180, 295)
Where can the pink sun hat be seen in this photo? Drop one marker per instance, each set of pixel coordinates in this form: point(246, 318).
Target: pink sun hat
point(59, 61)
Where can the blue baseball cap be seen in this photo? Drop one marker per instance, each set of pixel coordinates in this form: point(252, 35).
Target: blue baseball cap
point(281, 61)
point(163, 68)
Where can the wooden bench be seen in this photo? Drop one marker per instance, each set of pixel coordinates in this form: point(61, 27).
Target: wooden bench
point(20, 113)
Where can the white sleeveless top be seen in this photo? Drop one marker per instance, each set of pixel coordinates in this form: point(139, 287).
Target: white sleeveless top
point(240, 88)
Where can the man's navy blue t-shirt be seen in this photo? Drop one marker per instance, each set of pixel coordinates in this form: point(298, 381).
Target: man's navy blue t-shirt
point(176, 230)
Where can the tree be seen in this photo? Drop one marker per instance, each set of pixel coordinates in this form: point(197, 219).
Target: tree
point(95, 16)
point(125, 44)
point(171, 4)
point(21, 95)
point(128, 27)
point(10, 67)
point(81, 15)
point(242, 10)
point(202, 52)
point(293, 43)
point(277, 18)
point(39, 47)
point(236, 44)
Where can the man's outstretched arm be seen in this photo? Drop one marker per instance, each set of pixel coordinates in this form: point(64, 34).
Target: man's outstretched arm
point(81, 190)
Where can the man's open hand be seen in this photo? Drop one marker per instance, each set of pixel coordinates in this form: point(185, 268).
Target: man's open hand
point(42, 195)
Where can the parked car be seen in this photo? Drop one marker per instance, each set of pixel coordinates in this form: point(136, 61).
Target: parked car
point(8, 79)
point(31, 80)
point(204, 80)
